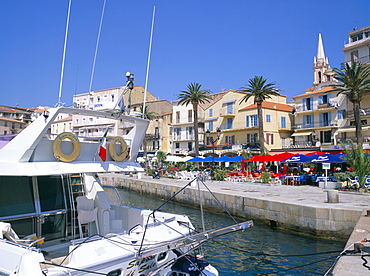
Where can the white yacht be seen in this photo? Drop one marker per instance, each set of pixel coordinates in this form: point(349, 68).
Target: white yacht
point(56, 219)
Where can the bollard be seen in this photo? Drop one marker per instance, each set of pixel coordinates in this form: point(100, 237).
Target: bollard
point(332, 196)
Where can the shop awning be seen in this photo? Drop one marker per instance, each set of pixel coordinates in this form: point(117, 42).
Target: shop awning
point(302, 133)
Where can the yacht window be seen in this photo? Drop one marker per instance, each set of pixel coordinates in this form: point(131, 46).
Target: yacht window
point(16, 196)
point(51, 193)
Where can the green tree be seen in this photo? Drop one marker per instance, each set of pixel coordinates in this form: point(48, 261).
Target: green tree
point(359, 161)
point(195, 96)
point(148, 115)
point(354, 83)
point(258, 89)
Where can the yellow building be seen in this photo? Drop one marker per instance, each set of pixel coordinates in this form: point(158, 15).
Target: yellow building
point(238, 123)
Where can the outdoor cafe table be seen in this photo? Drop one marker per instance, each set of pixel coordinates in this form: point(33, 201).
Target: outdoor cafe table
point(292, 180)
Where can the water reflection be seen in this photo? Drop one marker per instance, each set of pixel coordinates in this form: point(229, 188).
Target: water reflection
point(257, 251)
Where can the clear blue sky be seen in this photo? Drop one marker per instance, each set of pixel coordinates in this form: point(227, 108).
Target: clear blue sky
point(219, 44)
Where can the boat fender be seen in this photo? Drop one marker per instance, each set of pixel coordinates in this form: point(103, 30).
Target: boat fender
point(112, 150)
point(58, 151)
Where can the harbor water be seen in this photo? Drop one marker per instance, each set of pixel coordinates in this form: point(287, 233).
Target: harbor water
point(260, 250)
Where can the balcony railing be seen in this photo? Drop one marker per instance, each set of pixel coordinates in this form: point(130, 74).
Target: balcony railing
point(363, 112)
point(230, 147)
point(227, 111)
point(332, 123)
point(363, 59)
point(352, 139)
point(299, 145)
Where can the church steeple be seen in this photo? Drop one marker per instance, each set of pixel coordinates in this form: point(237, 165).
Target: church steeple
point(320, 64)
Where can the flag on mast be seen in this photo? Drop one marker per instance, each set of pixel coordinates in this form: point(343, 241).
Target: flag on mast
point(103, 147)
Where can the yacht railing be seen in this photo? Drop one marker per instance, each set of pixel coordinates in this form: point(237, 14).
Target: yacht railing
point(117, 192)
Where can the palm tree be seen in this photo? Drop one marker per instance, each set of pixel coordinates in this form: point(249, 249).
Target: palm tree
point(148, 115)
point(354, 83)
point(358, 160)
point(260, 91)
point(195, 96)
point(161, 158)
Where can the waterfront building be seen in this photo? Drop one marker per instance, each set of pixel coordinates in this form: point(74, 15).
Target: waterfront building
point(107, 99)
point(357, 50)
point(62, 125)
point(238, 123)
point(14, 119)
point(319, 112)
point(183, 126)
point(158, 135)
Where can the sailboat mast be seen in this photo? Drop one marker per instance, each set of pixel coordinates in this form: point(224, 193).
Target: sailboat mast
point(59, 103)
point(97, 46)
point(148, 65)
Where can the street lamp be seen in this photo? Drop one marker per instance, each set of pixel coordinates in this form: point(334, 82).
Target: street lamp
point(208, 133)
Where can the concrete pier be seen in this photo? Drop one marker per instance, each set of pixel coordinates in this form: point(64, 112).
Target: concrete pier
point(304, 209)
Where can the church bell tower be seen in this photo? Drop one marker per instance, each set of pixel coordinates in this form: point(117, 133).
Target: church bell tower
point(320, 65)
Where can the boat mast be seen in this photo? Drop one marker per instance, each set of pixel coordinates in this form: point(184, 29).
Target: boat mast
point(97, 46)
point(59, 103)
point(148, 65)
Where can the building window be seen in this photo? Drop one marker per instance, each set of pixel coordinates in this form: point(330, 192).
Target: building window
point(268, 118)
point(210, 112)
point(354, 56)
point(190, 116)
point(251, 120)
point(307, 104)
point(190, 146)
point(177, 133)
point(341, 114)
point(325, 119)
point(230, 140)
point(210, 125)
point(177, 145)
point(112, 98)
point(229, 123)
point(308, 121)
point(283, 122)
point(283, 142)
point(189, 133)
point(230, 108)
point(252, 138)
point(156, 132)
point(177, 117)
point(269, 138)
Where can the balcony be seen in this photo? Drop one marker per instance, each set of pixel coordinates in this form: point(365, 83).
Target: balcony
point(152, 137)
point(227, 112)
point(332, 123)
point(363, 112)
point(363, 59)
point(300, 145)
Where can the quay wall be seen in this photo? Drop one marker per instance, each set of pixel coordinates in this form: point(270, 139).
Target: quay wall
point(313, 219)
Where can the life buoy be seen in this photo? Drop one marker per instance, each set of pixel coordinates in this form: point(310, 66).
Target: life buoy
point(76, 147)
point(112, 150)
